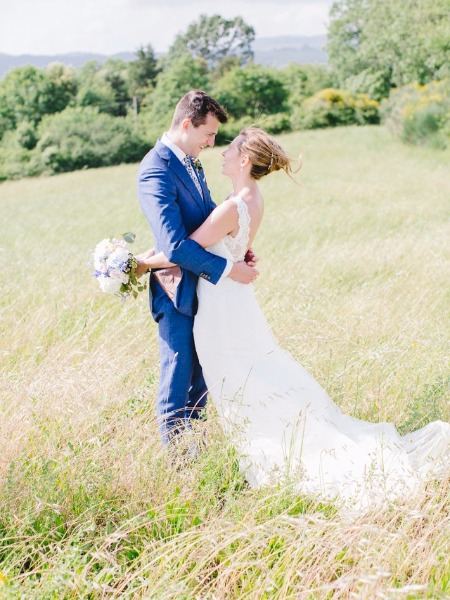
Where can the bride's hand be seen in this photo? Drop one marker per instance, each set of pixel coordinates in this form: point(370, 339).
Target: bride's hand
point(250, 258)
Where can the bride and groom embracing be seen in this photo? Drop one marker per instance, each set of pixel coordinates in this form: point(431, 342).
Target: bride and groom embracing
point(213, 337)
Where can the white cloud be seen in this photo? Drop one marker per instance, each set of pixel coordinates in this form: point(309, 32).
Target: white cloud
point(108, 26)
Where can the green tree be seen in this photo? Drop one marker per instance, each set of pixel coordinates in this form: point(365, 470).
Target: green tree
point(21, 94)
point(79, 137)
point(7, 113)
point(214, 39)
point(223, 66)
point(142, 72)
point(347, 22)
point(94, 89)
point(376, 45)
point(184, 74)
point(60, 87)
point(303, 81)
point(115, 72)
point(251, 91)
point(28, 93)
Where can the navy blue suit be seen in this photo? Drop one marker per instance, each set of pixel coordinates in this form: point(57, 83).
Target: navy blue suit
point(174, 209)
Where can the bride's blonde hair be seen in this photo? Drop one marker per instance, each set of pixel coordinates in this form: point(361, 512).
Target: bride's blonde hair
point(264, 152)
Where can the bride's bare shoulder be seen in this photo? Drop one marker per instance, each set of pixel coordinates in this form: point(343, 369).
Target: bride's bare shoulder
point(253, 198)
point(226, 210)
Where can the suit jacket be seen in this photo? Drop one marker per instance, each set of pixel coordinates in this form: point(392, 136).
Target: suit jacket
point(174, 209)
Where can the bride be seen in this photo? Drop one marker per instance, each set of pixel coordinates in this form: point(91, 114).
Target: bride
point(283, 422)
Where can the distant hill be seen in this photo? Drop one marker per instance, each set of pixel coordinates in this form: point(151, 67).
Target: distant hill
point(75, 59)
point(273, 51)
point(281, 50)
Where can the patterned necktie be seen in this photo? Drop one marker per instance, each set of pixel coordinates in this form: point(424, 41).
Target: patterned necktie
point(192, 173)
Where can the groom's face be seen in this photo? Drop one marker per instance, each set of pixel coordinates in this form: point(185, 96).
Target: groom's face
point(197, 138)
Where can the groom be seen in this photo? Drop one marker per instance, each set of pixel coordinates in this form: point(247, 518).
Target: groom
point(175, 199)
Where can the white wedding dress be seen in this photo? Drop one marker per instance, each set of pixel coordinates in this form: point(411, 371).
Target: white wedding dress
point(283, 422)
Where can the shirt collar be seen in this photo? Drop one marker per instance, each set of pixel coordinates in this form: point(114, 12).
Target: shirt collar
point(175, 149)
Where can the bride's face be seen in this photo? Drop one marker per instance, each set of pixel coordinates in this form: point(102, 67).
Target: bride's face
point(232, 159)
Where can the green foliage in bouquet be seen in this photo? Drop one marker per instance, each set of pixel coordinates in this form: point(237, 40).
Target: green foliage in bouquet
point(134, 286)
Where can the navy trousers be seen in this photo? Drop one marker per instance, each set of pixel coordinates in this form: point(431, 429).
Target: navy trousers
point(182, 390)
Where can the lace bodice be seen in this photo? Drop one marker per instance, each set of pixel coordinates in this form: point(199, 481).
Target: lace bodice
point(237, 245)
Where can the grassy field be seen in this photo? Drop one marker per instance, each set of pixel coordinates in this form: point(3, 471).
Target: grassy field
point(354, 282)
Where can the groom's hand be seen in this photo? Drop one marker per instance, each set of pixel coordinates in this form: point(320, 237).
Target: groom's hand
point(243, 273)
point(142, 267)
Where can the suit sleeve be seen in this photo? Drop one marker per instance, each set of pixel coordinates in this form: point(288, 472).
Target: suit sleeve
point(157, 197)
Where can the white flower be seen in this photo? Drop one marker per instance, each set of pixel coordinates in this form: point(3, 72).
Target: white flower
point(100, 266)
point(119, 243)
point(119, 275)
point(118, 256)
point(103, 248)
point(109, 286)
point(113, 268)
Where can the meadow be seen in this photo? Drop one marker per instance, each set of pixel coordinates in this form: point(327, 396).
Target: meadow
point(354, 262)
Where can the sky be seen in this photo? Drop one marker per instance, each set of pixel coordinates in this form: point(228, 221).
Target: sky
point(111, 26)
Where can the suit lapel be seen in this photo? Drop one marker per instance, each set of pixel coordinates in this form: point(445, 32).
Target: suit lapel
point(180, 170)
point(207, 202)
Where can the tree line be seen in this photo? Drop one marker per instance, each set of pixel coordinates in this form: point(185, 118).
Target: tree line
point(60, 119)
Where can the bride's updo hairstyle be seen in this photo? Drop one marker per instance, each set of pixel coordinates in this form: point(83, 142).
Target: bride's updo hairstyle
point(265, 154)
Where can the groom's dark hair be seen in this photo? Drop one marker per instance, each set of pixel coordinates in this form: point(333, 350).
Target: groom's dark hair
point(196, 106)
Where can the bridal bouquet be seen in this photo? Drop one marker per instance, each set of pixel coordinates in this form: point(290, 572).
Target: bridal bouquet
point(114, 267)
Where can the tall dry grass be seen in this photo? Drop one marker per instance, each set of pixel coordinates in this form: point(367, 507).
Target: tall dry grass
point(354, 282)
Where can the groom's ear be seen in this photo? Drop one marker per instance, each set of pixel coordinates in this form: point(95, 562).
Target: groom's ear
point(185, 124)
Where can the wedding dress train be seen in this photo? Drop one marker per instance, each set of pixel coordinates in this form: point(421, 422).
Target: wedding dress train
point(283, 421)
